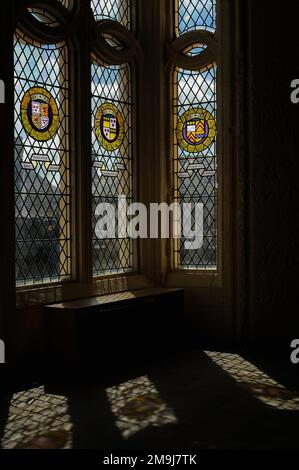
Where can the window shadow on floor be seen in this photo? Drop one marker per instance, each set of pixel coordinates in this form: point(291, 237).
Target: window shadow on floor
point(195, 400)
point(187, 402)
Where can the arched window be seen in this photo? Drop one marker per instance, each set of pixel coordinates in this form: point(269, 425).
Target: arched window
point(112, 145)
point(53, 220)
point(195, 134)
point(42, 156)
point(93, 122)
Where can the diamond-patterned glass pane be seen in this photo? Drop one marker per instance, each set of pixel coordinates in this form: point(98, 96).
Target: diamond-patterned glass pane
point(118, 10)
point(112, 161)
point(42, 163)
point(196, 14)
point(195, 176)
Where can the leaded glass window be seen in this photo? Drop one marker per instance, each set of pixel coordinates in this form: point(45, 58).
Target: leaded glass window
point(42, 162)
point(112, 162)
point(118, 10)
point(195, 136)
point(192, 15)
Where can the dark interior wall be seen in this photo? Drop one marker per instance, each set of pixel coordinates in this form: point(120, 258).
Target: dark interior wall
point(7, 284)
point(273, 172)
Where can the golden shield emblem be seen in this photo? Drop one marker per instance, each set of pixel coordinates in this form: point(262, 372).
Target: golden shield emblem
point(39, 113)
point(109, 127)
point(196, 130)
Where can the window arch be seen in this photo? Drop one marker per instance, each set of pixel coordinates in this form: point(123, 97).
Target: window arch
point(112, 134)
point(42, 160)
point(107, 73)
point(52, 219)
point(194, 123)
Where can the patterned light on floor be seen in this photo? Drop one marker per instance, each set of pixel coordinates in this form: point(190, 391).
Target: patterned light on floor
point(36, 415)
point(257, 382)
point(137, 405)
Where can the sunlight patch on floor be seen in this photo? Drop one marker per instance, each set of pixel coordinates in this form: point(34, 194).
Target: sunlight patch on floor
point(33, 414)
point(256, 381)
point(137, 405)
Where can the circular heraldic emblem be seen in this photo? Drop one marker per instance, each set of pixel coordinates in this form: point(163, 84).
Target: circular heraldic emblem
point(109, 127)
point(40, 116)
point(196, 130)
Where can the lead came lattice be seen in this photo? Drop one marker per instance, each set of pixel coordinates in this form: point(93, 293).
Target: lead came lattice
point(42, 162)
point(195, 150)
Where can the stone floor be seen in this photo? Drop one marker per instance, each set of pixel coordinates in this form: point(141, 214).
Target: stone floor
point(200, 400)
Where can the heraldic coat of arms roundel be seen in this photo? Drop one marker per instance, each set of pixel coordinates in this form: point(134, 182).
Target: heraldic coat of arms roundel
point(109, 127)
point(196, 130)
point(40, 116)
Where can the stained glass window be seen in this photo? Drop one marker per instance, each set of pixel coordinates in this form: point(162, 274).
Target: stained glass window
point(195, 149)
point(118, 10)
point(42, 162)
point(112, 160)
point(195, 14)
point(112, 164)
